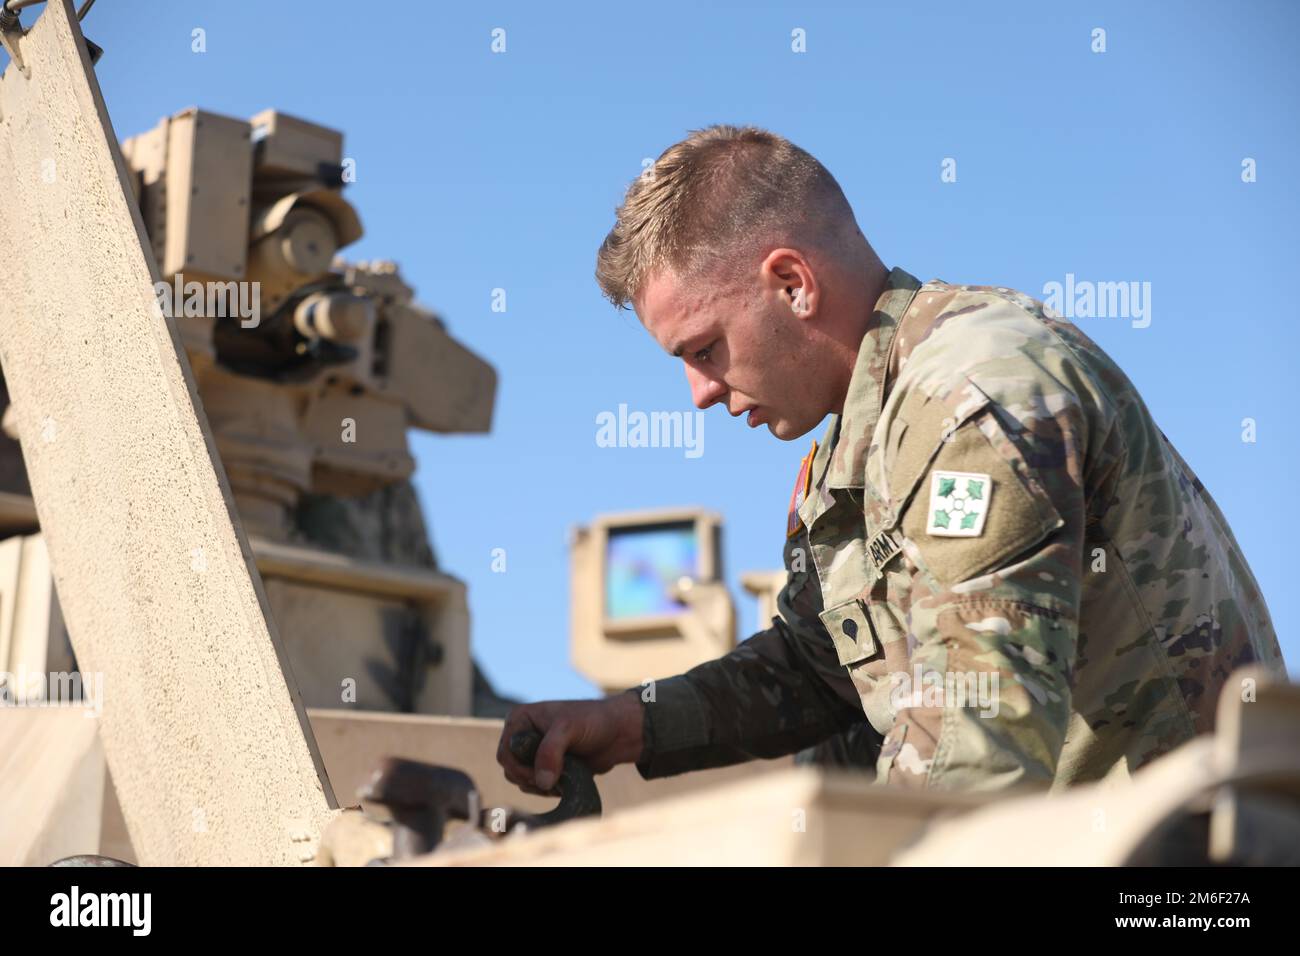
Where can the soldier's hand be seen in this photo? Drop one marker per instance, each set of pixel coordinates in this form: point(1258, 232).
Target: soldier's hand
point(602, 732)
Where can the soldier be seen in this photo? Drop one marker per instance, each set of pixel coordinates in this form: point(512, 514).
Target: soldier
point(994, 554)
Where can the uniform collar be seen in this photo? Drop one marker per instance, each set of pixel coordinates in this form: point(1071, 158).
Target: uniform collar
point(849, 434)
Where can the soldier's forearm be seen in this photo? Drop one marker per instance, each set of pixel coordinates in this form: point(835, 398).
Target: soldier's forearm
point(760, 701)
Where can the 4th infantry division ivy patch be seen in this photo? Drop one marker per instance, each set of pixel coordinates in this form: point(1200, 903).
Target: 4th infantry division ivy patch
point(959, 503)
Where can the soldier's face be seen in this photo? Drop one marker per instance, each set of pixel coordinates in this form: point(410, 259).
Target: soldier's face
point(744, 348)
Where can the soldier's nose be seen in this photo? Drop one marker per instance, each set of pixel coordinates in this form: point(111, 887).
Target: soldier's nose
point(704, 390)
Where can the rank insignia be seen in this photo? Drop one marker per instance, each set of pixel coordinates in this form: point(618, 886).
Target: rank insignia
point(802, 485)
point(959, 503)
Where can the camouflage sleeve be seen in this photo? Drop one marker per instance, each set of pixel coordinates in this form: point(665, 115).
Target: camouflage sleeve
point(778, 692)
point(987, 588)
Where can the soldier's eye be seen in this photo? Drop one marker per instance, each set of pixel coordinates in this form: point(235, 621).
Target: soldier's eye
point(703, 354)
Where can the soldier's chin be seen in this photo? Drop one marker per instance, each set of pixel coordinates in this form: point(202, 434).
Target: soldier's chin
point(783, 429)
point(787, 430)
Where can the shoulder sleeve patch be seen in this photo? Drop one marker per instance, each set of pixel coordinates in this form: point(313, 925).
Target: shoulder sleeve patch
point(974, 511)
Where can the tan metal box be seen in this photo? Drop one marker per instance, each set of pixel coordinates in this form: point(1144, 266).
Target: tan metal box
point(288, 146)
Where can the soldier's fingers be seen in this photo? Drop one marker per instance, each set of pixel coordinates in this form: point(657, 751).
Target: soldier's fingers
point(533, 717)
point(550, 754)
point(504, 757)
point(518, 719)
point(524, 780)
point(515, 772)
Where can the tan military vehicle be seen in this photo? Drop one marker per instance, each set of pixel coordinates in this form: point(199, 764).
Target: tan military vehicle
point(220, 619)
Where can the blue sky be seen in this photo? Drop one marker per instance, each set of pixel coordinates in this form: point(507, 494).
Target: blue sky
point(478, 171)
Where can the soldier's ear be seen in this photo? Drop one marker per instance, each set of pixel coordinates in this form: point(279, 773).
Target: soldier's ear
point(798, 301)
point(784, 270)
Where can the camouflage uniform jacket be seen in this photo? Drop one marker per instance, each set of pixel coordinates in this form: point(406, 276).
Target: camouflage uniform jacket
point(1021, 581)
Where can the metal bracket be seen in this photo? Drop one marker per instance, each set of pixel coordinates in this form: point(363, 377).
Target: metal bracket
point(416, 800)
point(11, 31)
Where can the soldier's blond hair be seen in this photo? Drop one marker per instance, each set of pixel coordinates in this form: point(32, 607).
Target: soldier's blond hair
point(711, 201)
